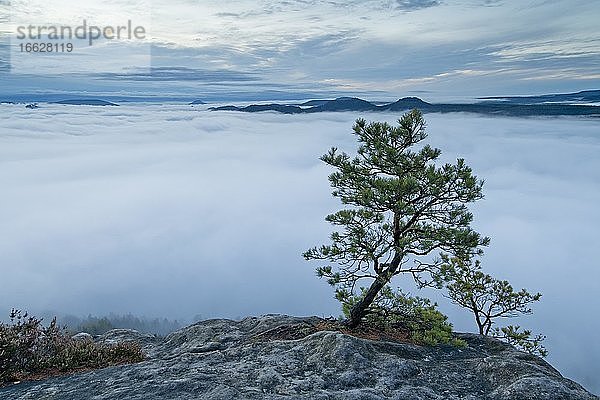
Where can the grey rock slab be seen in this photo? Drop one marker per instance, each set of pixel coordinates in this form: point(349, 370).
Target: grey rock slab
point(224, 359)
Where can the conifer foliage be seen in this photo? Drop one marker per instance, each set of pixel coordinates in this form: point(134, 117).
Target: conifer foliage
point(401, 210)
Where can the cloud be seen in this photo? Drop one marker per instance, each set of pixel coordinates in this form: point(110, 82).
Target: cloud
point(4, 58)
point(371, 43)
point(410, 5)
point(159, 74)
point(321, 44)
point(174, 211)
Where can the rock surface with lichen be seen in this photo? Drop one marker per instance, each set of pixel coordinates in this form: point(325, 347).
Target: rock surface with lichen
point(281, 357)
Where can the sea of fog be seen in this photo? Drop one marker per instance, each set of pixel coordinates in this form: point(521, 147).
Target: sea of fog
point(176, 211)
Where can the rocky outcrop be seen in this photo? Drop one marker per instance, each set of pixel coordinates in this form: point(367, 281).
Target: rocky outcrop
point(280, 357)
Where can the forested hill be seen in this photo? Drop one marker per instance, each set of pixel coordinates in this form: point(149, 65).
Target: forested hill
point(501, 108)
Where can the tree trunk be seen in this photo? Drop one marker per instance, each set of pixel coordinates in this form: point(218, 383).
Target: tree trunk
point(359, 310)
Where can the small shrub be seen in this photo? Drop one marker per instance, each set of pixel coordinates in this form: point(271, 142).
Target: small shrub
point(522, 339)
point(490, 299)
point(27, 348)
point(415, 315)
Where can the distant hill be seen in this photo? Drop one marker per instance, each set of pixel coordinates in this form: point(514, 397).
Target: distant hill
point(86, 102)
point(408, 103)
point(313, 103)
point(344, 104)
point(514, 109)
point(25, 98)
point(197, 102)
point(586, 96)
point(282, 108)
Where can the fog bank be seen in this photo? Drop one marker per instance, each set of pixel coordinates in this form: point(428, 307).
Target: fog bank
point(173, 211)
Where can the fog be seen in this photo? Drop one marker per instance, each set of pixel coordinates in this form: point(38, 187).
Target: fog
point(170, 211)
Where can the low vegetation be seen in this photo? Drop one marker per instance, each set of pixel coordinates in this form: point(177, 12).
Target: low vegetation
point(29, 350)
point(397, 311)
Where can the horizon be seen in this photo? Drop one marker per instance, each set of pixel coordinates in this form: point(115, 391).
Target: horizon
point(53, 98)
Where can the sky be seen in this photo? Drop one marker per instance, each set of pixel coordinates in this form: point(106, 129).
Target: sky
point(268, 49)
point(174, 211)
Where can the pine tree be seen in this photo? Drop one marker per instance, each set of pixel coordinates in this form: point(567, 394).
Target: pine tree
point(490, 299)
point(401, 211)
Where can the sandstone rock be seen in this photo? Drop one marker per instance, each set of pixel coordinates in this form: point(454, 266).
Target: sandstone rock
point(223, 359)
point(82, 336)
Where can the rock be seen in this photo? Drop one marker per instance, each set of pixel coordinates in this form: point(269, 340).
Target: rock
point(82, 336)
point(146, 340)
point(261, 358)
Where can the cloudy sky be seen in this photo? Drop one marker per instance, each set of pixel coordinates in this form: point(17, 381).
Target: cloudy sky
point(248, 49)
point(172, 211)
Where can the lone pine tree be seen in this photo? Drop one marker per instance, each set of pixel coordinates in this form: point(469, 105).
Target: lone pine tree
point(401, 212)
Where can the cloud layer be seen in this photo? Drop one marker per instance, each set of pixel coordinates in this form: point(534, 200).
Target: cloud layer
point(174, 211)
point(384, 47)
